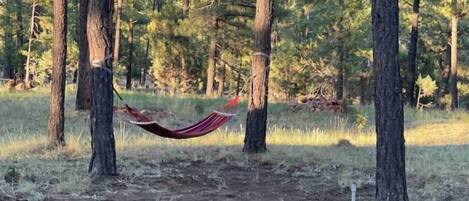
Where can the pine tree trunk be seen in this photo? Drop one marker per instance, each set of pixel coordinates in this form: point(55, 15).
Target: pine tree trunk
point(147, 51)
point(412, 68)
point(31, 32)
point(56, 115)
point(256, 124)
point(184, 73)
point(8, 70)
point(211, 60)
point(185, 8)
point(128, 84)
point(117, 38)
point(19, 34)
point(340, 72)
point(444, 82)
point(390, 158)
point(83, 100)
point(103, 158)
point(221, 81)
point(453, 76)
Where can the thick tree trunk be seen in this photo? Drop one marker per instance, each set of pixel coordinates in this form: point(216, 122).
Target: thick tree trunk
point(117, 38)
point(56, 115)
point(83, 100)
point(31, 32)
point(103, 158)
point(412, 67)
point(453, 76)
point(211, 58)
point(221, 81)
point(128, 84)
point(256, 124)
point(390, 158)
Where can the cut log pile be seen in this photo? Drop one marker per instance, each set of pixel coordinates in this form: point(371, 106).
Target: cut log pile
point(316, 104)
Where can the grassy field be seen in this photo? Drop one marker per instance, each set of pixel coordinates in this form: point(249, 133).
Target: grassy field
point(303, 162)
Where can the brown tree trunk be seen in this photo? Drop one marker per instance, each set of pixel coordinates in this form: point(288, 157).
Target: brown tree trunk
point(256, 124)
point(31, 32)
point(8, 70)
point(340, 71)
point(83, 100)
point(147, 51)
point(221, 81)
point(19, 34)
point(211, 58)
point(444, 82)
point(184, 73)
point(412, 68)
point(453, 76)
point(390, 158)
point(185, 8)
point(103, 158)
point(128, 84)
point(117, 38)
point(238, 82)
point(56, 115)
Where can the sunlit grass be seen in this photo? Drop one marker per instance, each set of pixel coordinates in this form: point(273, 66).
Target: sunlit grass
point(437, 141)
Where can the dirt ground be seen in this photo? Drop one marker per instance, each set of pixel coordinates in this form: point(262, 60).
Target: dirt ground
point(219, 180)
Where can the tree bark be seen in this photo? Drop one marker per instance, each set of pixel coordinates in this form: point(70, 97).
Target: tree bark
point(31, 32)
point(117, 38)
point(444, 82)
point(103, 158)
point(56, 115)
point(147, 51)
point(256, 124)
point(390, 158)
point(340, 71)
point(8, 70)
point(184, 73)
point(185, 8)
point(128, 84)
point(453, 76)
point(83, 99)
point(221, 81)
point(19, 34)
point(412, 67)
point(211, 58)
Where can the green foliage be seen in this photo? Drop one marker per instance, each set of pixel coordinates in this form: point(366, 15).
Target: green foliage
point(426, 85)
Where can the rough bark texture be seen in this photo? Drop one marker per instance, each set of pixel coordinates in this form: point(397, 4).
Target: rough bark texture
point(128, 84)
point(453, 76)
point(211, 58)
point(390, 158)
point(83, 100)
point(103, 158)
point(56, 114)
point(147, 51)
point(254, 141)
point(412, 56)
point(117, 38)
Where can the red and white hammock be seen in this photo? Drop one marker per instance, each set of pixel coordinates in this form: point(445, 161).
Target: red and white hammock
point(204, 126)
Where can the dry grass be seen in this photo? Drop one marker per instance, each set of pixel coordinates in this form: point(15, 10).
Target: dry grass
point(437, 144)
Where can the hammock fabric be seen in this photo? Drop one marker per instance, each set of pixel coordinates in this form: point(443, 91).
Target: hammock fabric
point(204, 126)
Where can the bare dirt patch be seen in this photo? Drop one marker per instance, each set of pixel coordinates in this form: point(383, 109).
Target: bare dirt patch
point(218, 180)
